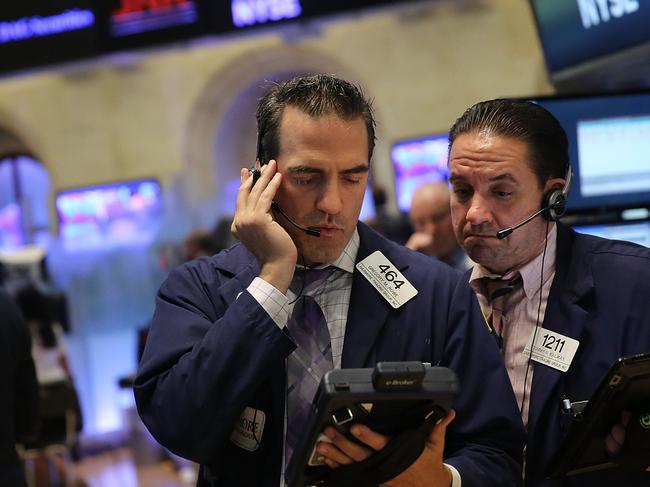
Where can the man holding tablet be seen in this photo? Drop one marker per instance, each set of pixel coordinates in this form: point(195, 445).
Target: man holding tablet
point(239, 339)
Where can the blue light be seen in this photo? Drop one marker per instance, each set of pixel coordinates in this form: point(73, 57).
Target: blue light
point(250, 12)
point(31, 27)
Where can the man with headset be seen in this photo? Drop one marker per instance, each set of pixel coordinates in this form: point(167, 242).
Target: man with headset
point(544, 281)
point(214, 383)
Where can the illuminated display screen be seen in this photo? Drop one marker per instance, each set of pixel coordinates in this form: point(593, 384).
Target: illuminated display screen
point(609, 148)
point(108, 212)
point(40, 32)
point(36, 32)
point(250, 12)
point(239, 14)
point(636, 232)
point(135, 17)
point(416, 162)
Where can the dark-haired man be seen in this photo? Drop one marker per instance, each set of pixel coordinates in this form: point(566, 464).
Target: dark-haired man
point(508, 159)
point(219, 378)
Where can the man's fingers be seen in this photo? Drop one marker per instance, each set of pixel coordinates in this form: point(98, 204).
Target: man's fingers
point(245, 182)
point(371, 438)
point(265, 199)
point(437, 435)
point(350, 450)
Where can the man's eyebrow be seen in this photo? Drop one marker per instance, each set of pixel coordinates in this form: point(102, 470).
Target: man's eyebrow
point(503, 177)
point(359, 169)
point(305, 169)
point(456, 178)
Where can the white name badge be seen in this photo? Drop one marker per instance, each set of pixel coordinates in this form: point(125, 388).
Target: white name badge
point(552, 349)
point(386, 279)
point(248, 429)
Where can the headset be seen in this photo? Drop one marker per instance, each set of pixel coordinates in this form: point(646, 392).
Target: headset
point(256, 173)
point(554, 203)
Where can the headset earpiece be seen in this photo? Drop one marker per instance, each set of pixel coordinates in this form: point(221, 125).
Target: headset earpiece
point(555, 204)
point(555, 200)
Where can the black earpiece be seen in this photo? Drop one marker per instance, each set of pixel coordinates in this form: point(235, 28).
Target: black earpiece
point(555, 200)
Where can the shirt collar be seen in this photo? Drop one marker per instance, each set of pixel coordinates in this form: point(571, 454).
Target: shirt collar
point(346, 260)
point(529, 272)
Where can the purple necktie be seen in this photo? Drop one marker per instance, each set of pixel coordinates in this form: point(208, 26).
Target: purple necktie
point(313, 357)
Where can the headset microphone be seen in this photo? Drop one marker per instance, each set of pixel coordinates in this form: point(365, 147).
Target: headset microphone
point(553, 207)
point(312, 232)
point(501, 234)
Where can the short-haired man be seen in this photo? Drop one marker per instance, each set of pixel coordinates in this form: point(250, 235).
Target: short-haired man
point(505, 156)
point(433, 232)
point(224, 349)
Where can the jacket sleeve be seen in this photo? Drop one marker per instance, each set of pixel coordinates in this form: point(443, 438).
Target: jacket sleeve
point(208, 350)
point(485, 442)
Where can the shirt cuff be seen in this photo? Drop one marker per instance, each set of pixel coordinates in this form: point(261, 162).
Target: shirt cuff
point(273, 301)
point(455, 476)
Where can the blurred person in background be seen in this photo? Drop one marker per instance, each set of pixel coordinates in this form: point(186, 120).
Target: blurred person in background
point(393, 226)
point(54, 380)
point(48, 351)
point(200, 243)
point(434, 234)
point(19, 419)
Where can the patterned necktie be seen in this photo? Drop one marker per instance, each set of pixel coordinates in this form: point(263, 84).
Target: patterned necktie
point(313, 357)
point(498, 291)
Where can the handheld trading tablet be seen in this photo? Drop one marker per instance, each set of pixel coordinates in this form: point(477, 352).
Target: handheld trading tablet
point(403, 400)
point(625, 387)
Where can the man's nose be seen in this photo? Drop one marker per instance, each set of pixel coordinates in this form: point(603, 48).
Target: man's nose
point(479, 211)
point(330, 201)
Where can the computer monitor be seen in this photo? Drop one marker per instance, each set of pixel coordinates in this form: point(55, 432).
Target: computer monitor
point(108, 213)
point(417, 161)
point(635, 231)
point(609, 148)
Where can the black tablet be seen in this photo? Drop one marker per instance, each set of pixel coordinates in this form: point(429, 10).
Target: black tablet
point(625, 387)
point(391, 398)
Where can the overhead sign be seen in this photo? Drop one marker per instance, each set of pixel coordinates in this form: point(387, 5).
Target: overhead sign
point(34, 32)
point(250, 12)
point(138, 16)
point(577, 31)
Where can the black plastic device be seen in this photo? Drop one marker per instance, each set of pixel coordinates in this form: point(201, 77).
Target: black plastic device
point(626, 387)
point(391, 399)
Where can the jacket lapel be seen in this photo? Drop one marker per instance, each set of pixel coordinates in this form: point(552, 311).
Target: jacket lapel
point(567, 312)
point(368, 310)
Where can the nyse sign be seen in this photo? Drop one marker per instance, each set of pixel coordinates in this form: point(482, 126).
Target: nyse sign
point(250, 12)
point(593, 12)
point(581, 31)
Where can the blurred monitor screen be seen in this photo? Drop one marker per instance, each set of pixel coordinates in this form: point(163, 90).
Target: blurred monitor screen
point(637, 232)
point(418, 161)
point(110, 213)
point(11, 232)
point(609, 148)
